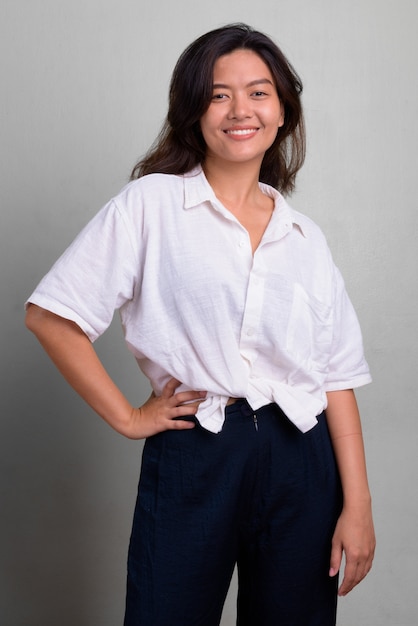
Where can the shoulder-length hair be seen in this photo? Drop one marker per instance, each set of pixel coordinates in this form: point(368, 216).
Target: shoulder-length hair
point(180, 145)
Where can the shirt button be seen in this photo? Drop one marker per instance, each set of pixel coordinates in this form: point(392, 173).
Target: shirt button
point(241, 243)
point(250, 332)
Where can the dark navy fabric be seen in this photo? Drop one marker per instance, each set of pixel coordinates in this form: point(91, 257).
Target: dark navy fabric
point(260, 494)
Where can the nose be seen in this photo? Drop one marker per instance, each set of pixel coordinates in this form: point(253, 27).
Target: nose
point(240, 107)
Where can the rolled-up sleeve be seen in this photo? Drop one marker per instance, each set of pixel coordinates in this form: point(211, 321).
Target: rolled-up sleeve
point(348, 367)
point(94, 276)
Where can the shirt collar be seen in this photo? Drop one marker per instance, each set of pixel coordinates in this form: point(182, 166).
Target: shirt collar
point(197, 191)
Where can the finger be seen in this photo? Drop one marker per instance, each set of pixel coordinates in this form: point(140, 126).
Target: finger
point(188, 396)
point(352, 576)
point(357, 567)
point(179, 424)
point(170, 388)
point(335, 561)
point(346, 586)
point(183, 410)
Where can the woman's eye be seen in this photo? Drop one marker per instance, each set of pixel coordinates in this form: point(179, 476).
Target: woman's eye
point(218, 96)
point(259, 93)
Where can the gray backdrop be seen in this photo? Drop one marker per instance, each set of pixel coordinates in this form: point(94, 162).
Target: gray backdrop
point(84, 90)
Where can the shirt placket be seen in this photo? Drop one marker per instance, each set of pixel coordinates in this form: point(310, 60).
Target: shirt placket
point(249, 337)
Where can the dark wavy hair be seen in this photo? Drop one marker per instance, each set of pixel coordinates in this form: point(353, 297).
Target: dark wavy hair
point(180, 145)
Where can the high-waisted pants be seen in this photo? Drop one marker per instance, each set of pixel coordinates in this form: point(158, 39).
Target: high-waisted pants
point(260, 495)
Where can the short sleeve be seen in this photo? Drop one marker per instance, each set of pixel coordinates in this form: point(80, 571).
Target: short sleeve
point(95, 276)
point(347, 365)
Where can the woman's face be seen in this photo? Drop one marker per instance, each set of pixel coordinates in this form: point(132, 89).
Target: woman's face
point(245, 112)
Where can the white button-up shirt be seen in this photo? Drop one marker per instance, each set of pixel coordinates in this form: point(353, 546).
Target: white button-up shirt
point(196, 304)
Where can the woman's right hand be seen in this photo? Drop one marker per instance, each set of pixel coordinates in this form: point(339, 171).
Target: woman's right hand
point(74, 355)
point(161, 413)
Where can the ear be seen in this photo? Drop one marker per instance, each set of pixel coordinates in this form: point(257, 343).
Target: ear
point(281, 116)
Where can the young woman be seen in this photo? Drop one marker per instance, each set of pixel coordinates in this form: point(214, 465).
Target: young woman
point(235, 312)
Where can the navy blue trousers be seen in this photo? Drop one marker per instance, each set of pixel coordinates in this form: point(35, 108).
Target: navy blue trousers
point(261, 495)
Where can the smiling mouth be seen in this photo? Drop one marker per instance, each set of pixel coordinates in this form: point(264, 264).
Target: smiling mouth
point(241, 132)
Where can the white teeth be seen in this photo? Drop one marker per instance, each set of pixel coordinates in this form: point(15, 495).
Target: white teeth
point(244, 131)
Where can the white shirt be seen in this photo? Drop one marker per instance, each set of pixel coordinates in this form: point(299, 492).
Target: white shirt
point(196, 304)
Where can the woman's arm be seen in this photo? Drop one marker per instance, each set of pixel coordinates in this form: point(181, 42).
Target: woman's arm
point(73, 354)
point(354, 533)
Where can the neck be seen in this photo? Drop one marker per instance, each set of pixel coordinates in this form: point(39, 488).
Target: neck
point(235, 182)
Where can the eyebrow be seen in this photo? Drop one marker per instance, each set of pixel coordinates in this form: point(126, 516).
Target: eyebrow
point(258, 81)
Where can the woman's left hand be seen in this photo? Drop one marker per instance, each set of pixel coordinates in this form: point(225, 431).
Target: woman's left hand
point(354, 536)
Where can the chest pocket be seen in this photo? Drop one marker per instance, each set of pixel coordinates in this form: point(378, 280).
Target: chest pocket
point(309, 332)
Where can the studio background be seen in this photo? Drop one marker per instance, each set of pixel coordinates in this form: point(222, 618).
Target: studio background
point(84, 92)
